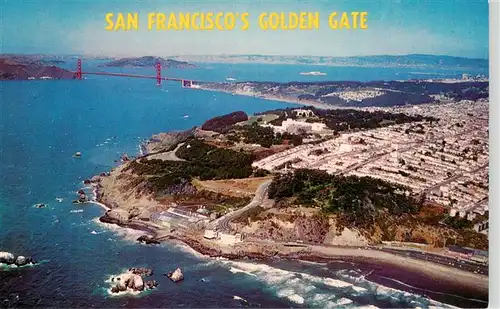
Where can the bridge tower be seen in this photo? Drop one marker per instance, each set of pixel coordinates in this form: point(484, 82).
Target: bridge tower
point(158, 73)
point(79, 69)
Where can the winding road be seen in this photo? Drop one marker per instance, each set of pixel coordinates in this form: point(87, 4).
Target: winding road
point(222, 223)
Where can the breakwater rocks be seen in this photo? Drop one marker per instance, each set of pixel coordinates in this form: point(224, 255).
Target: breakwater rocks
point(133, 281)
point(10, 259)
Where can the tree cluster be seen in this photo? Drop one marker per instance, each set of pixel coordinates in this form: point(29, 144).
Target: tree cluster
point(357, 199)
point(203, 161)
point(221, 124)
point(264, 136)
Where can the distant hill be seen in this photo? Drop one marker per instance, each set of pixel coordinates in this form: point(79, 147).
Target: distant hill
point(19, 67)
point(147, 61)
point(36, 59)
point(408, 61)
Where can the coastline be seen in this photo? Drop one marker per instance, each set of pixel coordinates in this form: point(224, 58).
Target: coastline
point(446, 277)
point(441, 276)
point(281, 99)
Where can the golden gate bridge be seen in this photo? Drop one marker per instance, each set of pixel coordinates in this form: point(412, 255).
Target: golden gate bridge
point(186, 83)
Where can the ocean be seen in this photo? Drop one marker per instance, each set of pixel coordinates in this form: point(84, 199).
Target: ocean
point(43, 123)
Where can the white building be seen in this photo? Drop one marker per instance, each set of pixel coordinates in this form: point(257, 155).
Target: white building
point(303, 112)
point(293, 126)
point(229, 238)
point(211, 234)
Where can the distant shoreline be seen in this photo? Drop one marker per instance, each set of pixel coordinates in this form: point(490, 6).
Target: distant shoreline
point(281, 99)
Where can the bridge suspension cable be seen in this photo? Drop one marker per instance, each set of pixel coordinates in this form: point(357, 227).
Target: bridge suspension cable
point(185, 83)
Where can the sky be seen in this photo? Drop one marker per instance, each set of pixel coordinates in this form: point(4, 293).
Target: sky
point(440, 27)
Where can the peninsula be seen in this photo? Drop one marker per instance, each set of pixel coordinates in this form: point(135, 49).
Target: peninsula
point(16, 67)
point(389, 185)
point(353, 94)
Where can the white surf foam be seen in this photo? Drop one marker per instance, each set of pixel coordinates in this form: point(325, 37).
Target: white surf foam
point(239, 298)
point(302, 288)
point(122, 232)
point(235, 270)
point(299, 288)
point(290, 295)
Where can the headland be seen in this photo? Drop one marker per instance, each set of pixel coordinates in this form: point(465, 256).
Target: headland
point(318, 185)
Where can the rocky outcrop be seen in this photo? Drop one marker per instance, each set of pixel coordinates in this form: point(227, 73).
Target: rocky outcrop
point(176, 275)
point(9, 259)
point(95, 179)
point(141, 271)
point(166, 141)
point(115, 216)
point(147, 240)
point(133, 280)
point(151, 284)
point(22, 260)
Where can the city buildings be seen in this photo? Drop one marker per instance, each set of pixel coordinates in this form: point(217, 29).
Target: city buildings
point(447, 161)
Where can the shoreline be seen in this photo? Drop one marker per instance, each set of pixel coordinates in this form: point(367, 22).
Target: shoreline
point(281, 99)
point(401, 273)
point(447, 278)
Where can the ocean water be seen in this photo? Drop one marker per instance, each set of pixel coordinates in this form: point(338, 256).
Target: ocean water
point(43, 123)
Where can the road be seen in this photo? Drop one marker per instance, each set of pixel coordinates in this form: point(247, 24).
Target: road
point(222, 224)
point(167, 155)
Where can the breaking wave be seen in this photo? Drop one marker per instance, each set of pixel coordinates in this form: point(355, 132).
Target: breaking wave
point(343, 288)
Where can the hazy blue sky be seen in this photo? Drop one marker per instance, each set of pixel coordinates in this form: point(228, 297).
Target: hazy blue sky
point(451, 27)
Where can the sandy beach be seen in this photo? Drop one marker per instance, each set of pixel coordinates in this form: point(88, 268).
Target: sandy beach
point(426, 270)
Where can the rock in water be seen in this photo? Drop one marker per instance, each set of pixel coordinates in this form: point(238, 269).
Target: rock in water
point(141, 271)
point(147, 239)
point(6, 257)
point(22, 260)
point(177, 275)
point(122, 282)
point(132, 280)
point(135, 283)
point(151, 284)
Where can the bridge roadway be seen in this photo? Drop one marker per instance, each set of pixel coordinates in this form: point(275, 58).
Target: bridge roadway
point(138, 76)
